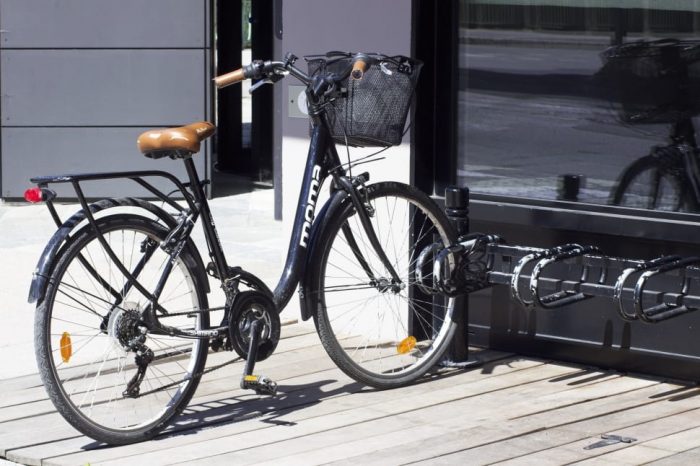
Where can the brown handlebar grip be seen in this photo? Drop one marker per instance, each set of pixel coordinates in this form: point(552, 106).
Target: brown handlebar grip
point(358, 69)
point(229, 78)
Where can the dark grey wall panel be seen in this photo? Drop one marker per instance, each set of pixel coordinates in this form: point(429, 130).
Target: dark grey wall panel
point(80, 79)
point(103, 23)
point(101, 87)
point(29, 152)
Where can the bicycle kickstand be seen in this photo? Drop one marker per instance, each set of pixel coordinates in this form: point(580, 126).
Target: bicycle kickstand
point(261, 384)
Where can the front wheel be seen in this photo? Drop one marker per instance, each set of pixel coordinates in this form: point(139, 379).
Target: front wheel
point(109, 376)
point(379, 332)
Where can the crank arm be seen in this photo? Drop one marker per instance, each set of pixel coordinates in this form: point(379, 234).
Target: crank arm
point(261, 384)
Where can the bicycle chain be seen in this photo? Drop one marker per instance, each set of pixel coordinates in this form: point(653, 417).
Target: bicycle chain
point(186, 313)
point(201, 373)
point(198, 374)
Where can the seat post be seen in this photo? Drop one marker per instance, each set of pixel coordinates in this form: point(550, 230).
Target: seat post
point(212, 237)
point(195, 184)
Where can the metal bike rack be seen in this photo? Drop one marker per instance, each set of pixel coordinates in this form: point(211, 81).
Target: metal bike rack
point(553, 278)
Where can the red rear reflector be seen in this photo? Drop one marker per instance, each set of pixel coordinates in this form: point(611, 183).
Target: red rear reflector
point(39, 195)
point(33, 195)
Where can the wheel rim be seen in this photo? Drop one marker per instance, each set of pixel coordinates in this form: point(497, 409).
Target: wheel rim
point(385, 331)
point(87, 338)
point(655, 188)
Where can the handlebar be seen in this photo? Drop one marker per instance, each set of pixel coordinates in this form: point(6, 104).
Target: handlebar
point(229, 78)
point(275, 70)
point(359, 66)
point(258, 69)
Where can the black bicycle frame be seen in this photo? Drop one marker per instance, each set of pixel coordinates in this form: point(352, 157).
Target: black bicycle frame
point(322, 161)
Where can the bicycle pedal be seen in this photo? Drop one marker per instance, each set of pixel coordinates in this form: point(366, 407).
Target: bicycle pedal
point(261, 384)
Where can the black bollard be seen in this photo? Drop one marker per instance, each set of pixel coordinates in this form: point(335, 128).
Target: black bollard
point(569, 187)
point(457, 210)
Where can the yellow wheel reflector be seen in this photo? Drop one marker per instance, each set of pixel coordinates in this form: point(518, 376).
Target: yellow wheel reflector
point(406, 345)
point(66, 347)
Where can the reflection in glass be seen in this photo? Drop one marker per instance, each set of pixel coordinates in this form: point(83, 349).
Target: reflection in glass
point(537, 104)
point(657, 82)
point(666, 179)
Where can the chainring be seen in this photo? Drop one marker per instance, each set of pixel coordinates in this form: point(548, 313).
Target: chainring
point(249, 306)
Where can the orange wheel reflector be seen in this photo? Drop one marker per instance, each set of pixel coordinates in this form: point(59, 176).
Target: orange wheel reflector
point(406, 345)
point(66, 347)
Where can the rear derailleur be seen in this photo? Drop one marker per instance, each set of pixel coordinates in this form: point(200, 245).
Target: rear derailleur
point(127, 330)
point(144, 356)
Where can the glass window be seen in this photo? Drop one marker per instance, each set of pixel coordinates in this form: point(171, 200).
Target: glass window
point(588, 101)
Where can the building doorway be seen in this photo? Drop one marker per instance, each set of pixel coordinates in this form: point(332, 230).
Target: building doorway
point(243, 146)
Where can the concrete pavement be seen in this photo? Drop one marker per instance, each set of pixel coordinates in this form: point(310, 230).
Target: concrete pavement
point(250, 236)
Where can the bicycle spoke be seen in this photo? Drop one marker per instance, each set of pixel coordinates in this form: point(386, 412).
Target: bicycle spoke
point(94, 372)
point(395, 333)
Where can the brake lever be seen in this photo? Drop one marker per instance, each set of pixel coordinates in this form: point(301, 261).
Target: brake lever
point(258, 84)
point(271, 79)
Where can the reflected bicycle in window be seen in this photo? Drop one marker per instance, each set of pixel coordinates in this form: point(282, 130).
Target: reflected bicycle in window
point(658, 82)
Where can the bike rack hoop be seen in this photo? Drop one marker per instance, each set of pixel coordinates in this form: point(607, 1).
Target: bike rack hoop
point(539, 254)
point(505, 265)
point(563, 297)
point(665, 310)
point(625, 274)
point(459, 268)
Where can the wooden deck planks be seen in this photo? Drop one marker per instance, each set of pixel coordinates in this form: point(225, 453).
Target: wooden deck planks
point(451, 418)
point(366, 420)
point(656, 415)
point(686, 457)
point(324, 395)
point(297, 345)
point(512, 410)
point(24, 394)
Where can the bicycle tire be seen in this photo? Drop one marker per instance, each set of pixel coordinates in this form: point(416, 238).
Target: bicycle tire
point(655, 182)
point(81, 333)
point(409, 336)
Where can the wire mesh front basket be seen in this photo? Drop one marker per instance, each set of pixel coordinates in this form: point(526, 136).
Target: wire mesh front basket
point(653, 81)
point(374, 110)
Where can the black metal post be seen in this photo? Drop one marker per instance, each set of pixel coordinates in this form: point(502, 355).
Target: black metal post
point(457, 210)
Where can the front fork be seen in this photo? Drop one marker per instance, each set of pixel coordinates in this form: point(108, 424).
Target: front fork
point(364, 211)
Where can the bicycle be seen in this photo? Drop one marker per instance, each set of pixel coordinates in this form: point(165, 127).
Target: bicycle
point(123, 326)
point(656, 81)
point(667, 179)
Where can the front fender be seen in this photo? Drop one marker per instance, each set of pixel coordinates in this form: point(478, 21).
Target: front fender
point(62, 237)
point(337, 201)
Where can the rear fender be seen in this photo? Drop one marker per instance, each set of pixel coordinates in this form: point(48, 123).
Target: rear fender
point(62, 237)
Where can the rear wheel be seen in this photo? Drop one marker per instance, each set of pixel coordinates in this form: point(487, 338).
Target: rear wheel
point(107, 375)
point(382, 333)
point(656, 182)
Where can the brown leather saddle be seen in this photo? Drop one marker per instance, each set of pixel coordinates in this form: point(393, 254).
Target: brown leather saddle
point(176, 143)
